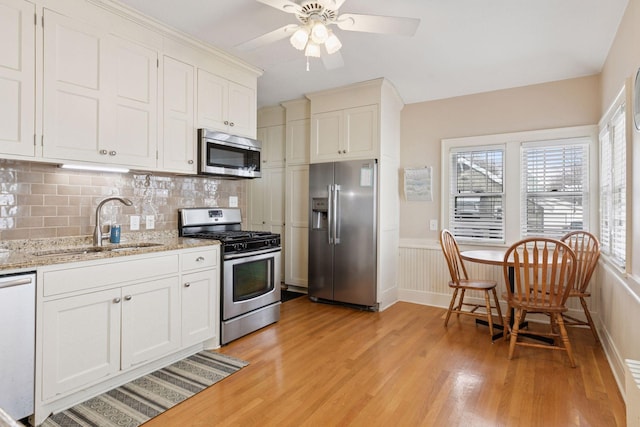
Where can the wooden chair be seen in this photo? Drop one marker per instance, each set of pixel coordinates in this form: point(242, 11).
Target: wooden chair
point(587, 249)
point(460, 283)
point(543, 276)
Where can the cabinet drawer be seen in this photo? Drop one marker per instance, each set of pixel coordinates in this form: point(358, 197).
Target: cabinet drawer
point(201, 259)
point(72, 278)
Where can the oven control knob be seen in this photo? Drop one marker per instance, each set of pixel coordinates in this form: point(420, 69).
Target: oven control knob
point(274, 242)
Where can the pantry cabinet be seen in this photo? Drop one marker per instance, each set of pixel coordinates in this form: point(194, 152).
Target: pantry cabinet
point(346, 134)
point(297, 229)
point(17, 78)
point(226, 106)
point(100, 95)
point(273, 146)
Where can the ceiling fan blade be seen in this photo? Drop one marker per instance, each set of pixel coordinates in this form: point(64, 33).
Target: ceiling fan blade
point(334, 4)
point(270, 37)
point(378, 24)
point(333, 61)
point(284, 5)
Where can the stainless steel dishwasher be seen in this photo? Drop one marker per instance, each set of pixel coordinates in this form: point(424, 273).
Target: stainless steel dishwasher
point(17, 340)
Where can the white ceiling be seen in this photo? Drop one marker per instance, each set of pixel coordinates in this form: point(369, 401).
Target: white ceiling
point(461, 46)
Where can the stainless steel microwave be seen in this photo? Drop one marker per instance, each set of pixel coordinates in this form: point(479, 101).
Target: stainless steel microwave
point(227, 155)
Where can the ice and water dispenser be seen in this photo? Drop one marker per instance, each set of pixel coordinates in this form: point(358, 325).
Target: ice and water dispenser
point(319, 213)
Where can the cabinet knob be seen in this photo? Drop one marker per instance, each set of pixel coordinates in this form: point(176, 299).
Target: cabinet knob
point(103, 152)
point(127, 298)
point(190, 162)
point(116, 300)
point(200, 259)
point(344, 151)
point(186, 285)
point(263, 222)
point(112, 153)
point(231, 124)
point(226, 122)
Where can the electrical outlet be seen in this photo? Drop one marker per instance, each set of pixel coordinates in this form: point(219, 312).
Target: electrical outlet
point(134, 222)
point(150, 222)
point(233, 201)
point(433, 225)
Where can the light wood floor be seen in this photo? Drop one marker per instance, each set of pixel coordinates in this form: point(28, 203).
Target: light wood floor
point(325, 365)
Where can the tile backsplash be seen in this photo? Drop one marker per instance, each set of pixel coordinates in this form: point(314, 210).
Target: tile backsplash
point(43, 201)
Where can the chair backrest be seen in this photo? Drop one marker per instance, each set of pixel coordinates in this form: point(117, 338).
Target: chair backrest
point(587, 249)
point(451, 253)
point(544, 271)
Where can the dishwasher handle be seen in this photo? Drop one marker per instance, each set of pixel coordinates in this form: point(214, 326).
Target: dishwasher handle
point(15, 282)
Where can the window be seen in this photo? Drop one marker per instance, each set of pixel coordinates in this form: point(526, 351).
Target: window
point(502, 188)
point(555, 187)
point(477, 193)
point(613, 186)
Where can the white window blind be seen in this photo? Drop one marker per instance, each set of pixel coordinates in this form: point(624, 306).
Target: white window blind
point(613, 187)
point(477, 193)
point(554, 187)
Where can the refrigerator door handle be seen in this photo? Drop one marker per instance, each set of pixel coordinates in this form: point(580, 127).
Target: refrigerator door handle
point(330, 214)
point(336, 214)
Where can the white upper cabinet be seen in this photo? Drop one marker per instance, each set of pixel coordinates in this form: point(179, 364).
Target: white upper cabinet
point(298, 133)
point(179, 138)
point(346, 134)
point(273, 146)
point(225, 105)
point(17, 77)
point(100, 95)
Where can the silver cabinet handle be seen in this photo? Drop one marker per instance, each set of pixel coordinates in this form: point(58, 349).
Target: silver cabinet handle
point(127, 298)
point(200, 259)
point(112, 153)
point(15, 282)
point(186, 285)
point(190, 162)
point(103, 152)
point(116, 300)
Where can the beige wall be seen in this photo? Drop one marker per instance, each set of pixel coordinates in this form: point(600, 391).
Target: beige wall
point(552, 105)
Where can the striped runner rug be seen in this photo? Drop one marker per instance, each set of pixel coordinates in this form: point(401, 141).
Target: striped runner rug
point(146, 397)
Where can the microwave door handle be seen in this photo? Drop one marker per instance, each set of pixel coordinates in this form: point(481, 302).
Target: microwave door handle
point(329, 214)
point(336, 214)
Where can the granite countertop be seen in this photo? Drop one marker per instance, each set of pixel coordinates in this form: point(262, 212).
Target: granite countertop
point(33, 253)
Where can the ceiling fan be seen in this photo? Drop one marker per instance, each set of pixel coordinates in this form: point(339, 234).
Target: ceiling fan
point(313, 30)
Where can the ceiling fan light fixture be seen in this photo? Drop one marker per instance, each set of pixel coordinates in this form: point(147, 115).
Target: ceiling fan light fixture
point(319, 33)
point(299, 39)
point(332, 44)
point(313, 50)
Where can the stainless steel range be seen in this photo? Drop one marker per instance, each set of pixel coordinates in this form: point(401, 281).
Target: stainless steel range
point(250, 291)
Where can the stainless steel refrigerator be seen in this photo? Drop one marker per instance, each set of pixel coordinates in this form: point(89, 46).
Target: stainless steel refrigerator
point(342, 232)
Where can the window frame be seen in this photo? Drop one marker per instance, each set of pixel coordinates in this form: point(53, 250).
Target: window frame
point(512, 143)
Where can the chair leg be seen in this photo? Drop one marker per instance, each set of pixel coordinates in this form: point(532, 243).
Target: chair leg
point(495, 299)
point(565, 338)
point(514, 333)
point(460, 302)
point(507, 325)
point(489, 316)
point(453, 301)
point(589, 319)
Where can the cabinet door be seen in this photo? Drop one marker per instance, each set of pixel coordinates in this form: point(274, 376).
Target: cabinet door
point(258, 194)
point(273, 146)
point(360, 132)
point(298, 135)
point(150, 325)
point(326, 136)
point(81, 341)
point(199, 306)
point(17, 77)
point(297, 225)
point(134, 79)
point(179, 139)
point(212, 102)
point(242, 110)
point(75, 89)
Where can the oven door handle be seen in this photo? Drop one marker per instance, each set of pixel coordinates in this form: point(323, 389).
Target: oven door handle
point(252, 253)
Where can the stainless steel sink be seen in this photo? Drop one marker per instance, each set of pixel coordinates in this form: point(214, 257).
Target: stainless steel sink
point(83, 250)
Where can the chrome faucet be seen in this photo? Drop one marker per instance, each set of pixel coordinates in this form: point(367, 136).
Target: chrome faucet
point(97, 232)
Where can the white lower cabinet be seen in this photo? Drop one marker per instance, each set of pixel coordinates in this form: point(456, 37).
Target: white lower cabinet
point(108, 319)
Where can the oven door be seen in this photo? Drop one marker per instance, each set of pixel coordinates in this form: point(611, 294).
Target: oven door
point(250, 281)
